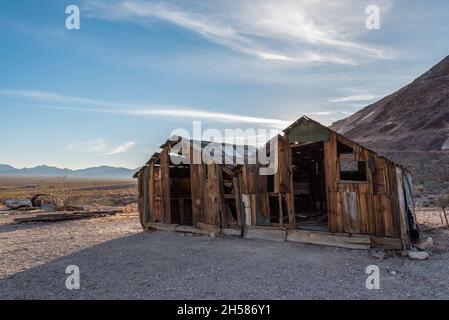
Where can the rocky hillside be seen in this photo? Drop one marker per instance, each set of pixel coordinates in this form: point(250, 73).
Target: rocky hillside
point(410, 126)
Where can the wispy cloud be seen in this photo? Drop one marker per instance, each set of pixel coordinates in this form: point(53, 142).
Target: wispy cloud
point(91, 105)
point(354, 98)
point(90, 146)
point(183, 113)
point(280, 31)
point(122, 148)
point(100, 146)
point(50, 96)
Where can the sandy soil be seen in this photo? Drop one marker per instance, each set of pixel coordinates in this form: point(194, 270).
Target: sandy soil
point(24, 246)
point(117, 260)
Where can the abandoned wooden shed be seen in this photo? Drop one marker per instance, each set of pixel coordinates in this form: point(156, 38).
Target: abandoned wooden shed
point(326, 190)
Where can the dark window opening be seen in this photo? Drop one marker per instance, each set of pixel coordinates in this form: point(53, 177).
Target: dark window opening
point(284, 210)
point(206, 171)
point(350, 169)
point(344, 149)
point(231, 212)
point(270, 183)
point(274, 209)
point(228, 184)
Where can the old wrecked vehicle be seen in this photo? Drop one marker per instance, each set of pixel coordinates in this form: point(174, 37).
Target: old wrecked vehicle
point(26, 204)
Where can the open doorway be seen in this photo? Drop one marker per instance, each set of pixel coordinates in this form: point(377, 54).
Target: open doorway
point(231, 202)
point(309, 187)
point(180, 195)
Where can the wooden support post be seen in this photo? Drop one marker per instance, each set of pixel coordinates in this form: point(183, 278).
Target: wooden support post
point(223, 215)
point(151, 194)
point(445, 216)
point(238, 205)
point(281, 213)
point(165, 176)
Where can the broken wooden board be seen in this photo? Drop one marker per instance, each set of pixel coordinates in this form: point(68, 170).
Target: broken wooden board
point(232, 232)
point(386, 243)
point(329, 239)
point(209, 228)
point(265, 233)
point(190, 229)
point(54, 217)
point(162, 226)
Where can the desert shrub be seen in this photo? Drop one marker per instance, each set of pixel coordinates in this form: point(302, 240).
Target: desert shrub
point(442, 201)
point(62, 197)
point(130, 208)
point(418, 191)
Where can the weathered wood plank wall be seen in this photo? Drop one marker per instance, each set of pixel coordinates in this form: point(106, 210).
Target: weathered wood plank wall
point(371, 207)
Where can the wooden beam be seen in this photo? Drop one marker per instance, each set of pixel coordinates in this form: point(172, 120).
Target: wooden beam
point(165, 176)
point(329, 239)
point(386, 243)
point(265, 233)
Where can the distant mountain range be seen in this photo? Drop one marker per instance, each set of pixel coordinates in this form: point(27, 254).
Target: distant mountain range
point(47, 171)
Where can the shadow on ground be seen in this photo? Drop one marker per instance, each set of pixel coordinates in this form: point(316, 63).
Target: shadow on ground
point(11, 227)
point(163, 265)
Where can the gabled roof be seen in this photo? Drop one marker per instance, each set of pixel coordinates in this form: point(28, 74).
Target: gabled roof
point(305, 119)
point(229, 150)
point(232, 154)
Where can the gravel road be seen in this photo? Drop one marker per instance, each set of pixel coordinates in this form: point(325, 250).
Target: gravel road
point(119, 261)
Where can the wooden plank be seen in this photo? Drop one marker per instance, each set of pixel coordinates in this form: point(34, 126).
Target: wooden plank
point(213, 199)
point(329, 239)
point(289, 198)
point(351, 212)
point(253, 206)
point(232, 232)
point(263, 206)
point(151, 194)
point(378, 213)
point(307, 131)
point(402, 210)
point(55, 217)
point(146, 195)
point(387, 216)
point(363, 213)
point(190, 229)
point(159, 211)
point(165, 183)
point(215, 229)
point(284, 171)
point(331, 177)
point(247, 209)
point(196, 191)
point(391, 177)
point(162, 226)
point(223, 207)
point(140, 191)
point(371, 223)
point(237, 200)
point(386, 243)
point(265, 233)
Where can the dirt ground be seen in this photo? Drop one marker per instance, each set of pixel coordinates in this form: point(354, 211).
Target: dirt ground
point(117, 260)
point(77, 192)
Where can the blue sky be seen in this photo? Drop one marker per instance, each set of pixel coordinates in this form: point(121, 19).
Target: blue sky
point(111, 92)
